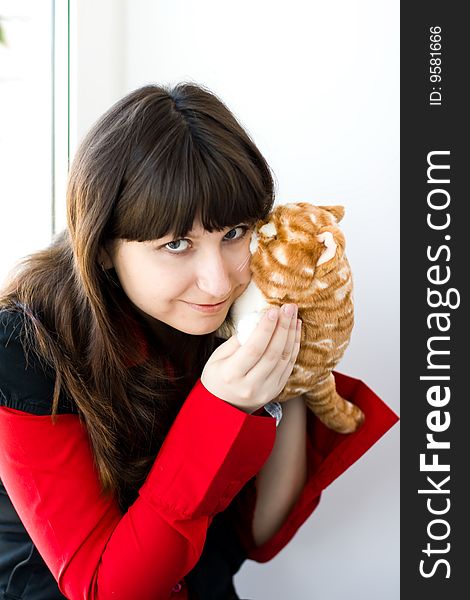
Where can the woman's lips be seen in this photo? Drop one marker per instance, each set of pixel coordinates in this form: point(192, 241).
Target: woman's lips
point(208, 308)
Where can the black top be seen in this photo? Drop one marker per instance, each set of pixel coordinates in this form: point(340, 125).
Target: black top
point(27, 384)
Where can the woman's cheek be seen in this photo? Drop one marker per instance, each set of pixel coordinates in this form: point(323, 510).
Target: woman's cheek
point(245, 271)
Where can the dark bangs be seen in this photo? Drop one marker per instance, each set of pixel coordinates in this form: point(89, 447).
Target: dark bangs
point(196, 166)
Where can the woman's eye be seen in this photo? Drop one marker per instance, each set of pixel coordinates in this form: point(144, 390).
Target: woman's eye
point(232, 234)
point(180, 246)
point(177, 246)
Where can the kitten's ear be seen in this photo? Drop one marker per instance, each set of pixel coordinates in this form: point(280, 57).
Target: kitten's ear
point(327, 239)
point(268, 230)
point(336, 211)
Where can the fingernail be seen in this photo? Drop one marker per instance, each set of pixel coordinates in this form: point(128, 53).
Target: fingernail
point(299, 323)
point(289, 310)
point(272, 314)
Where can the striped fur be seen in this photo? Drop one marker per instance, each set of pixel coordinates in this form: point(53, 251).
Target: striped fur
point(290, 264)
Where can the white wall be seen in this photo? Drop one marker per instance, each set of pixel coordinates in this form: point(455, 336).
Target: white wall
point(317, 86)
point(98, 60)
point(25, 131)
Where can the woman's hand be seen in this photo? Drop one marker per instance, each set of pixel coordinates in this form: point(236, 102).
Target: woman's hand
point(252, 375)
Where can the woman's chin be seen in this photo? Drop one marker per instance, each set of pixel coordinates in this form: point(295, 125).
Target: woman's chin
point(204, 329)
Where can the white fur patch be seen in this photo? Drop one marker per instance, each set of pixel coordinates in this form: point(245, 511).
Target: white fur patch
point(322, 343)
point(320, 284)
point(342, 291)
point(299, 390)
point(246, 326)
point(280, 254)
point(343, 273)
point(294, 236)
point(313, 218)
point(321, 380)
point(328, 240)
point(277, 278)
point(269, 230)
point(308, 270)
point(247, 311)
point(254, 242)
point(326, 342)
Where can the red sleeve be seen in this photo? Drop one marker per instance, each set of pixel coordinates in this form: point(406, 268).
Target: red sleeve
point(95, 552)
point(329, 454)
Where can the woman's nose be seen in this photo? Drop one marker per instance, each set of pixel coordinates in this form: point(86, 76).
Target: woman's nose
point(213, 277)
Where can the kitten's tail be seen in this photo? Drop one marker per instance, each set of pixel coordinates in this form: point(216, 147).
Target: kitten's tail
point(333, 410)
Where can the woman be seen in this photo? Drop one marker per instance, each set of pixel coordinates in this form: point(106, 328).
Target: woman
point(136, 457)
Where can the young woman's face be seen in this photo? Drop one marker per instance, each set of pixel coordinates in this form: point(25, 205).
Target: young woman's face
point(188, 283)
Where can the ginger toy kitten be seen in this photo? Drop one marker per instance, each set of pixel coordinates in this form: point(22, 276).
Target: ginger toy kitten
point(297, 255)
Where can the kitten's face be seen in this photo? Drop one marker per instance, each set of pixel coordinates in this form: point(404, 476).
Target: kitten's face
point(295, 240)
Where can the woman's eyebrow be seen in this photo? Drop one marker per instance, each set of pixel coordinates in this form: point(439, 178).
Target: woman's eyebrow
point(197, 237)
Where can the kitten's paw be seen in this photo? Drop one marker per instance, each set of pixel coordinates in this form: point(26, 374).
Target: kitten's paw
point(352, 420)
point(247, 325)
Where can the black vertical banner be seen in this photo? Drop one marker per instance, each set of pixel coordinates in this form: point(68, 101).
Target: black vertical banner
point(435, 323)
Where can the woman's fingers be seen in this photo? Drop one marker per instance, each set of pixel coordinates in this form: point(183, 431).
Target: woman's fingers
point(295, 352)
point(272, 371)
point(248, 355)
point(280, 346)
point(279, 350)
point(254, 373)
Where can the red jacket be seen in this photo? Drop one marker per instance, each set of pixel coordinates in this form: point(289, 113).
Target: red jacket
point(206, 465)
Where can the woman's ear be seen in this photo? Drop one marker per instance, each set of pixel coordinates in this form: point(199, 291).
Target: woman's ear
point(104, 257)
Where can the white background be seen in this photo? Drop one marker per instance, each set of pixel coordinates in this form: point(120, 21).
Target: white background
point(316, 84)
point(25, 131)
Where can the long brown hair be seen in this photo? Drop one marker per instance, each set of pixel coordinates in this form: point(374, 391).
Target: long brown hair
point(156, 160)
